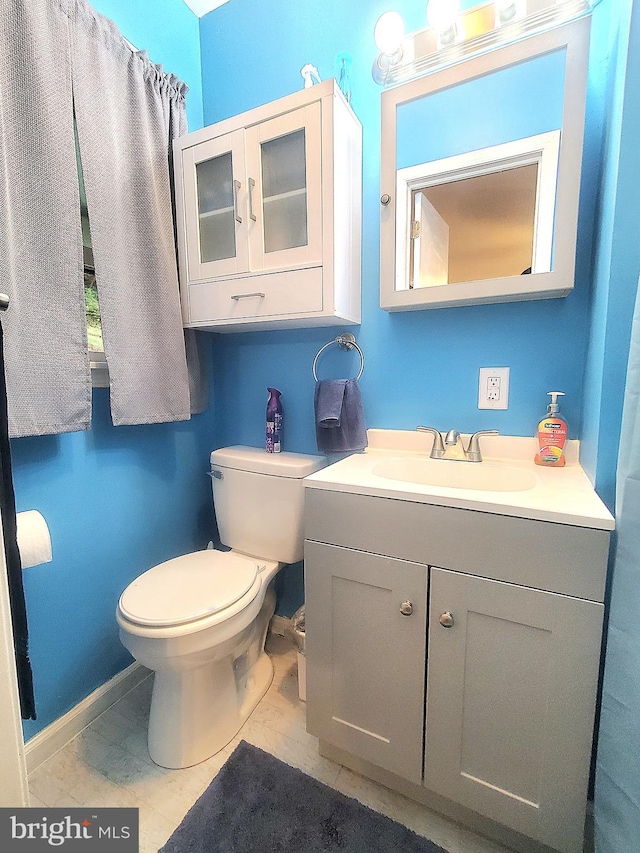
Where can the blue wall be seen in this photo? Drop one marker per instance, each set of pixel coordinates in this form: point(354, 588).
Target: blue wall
point(421, 367)
point(117, 500)
point(517, 111)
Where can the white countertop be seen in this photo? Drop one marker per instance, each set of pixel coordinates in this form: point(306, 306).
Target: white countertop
point(563, 495)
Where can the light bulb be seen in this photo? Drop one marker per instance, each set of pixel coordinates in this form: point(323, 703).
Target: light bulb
point(505, 10)
point(442, 14)
point(388, 33)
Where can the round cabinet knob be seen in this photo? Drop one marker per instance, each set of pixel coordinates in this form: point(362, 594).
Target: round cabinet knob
point(385, 199)
point(446, 620)
point(406, 608)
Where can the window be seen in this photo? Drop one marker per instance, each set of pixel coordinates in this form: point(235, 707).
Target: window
point(97, 360)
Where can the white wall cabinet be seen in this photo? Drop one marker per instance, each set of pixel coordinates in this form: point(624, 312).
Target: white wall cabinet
point(268, 207)
point(511, 650)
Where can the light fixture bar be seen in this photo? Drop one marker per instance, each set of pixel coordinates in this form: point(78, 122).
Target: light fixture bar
point(429, 56)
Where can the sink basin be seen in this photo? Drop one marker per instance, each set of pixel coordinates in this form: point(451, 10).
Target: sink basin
point(481, 476)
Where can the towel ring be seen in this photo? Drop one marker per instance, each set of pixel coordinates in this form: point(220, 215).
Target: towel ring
point(346, 341)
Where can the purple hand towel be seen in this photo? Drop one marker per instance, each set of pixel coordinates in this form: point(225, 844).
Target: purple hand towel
point(344, 430)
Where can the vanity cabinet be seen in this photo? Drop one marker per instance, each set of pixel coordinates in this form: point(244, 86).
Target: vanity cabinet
point(268, 207)
point(486, 697)
point(510, 700)
point(367, 614)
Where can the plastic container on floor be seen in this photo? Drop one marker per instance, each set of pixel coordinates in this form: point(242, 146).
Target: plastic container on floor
point(298, 625)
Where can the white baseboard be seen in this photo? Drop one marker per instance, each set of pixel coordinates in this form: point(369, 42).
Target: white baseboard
point(52, 738)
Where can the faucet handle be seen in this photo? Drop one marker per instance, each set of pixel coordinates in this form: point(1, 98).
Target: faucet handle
point(473, 451)
point(437, 451)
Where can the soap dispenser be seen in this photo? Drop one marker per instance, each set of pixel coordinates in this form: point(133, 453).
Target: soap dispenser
point(552, 435)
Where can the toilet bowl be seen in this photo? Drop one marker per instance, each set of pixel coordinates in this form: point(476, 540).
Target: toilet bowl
point(199, 621)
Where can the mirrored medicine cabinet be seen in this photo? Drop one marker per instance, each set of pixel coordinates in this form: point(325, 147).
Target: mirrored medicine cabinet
point(480, 176)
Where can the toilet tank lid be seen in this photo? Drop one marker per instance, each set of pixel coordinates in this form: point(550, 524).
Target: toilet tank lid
point(256, 460)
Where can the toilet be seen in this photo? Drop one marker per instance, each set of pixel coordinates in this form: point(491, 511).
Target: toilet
point(199, 621)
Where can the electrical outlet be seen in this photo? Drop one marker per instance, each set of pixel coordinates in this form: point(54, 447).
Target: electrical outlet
point(493, 388)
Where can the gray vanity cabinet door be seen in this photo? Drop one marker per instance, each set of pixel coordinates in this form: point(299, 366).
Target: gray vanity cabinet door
point(365, 659)
point(511, 689)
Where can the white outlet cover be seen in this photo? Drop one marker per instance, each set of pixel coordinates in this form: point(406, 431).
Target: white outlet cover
point(493, 388)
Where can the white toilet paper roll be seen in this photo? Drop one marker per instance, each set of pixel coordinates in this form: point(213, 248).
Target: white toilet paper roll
point(34, 541)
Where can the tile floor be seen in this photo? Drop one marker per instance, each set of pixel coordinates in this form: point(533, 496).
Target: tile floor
point(108, 765)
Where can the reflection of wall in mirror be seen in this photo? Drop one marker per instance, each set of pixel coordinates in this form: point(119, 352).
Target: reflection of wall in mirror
point(509, 104)
point(488, 238)
point(429, 262)
point(491, 222)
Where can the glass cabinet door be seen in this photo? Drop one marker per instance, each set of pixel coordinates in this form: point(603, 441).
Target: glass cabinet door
point(284, 186)
point(215, 197)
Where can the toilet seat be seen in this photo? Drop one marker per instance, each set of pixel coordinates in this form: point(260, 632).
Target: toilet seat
point(189, 588)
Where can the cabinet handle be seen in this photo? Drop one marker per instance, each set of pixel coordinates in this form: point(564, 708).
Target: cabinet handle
point(385, 199)
point(252, 184)
point(247, 295)
point(236, 187)
point(446, 620)
point(406, 608)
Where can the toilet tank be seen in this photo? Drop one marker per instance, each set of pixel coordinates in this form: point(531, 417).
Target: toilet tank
point(259, 500)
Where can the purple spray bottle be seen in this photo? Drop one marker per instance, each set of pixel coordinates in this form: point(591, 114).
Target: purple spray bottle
point(274, 421)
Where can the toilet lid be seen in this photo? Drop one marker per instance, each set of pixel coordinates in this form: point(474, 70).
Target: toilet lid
point(188, 588)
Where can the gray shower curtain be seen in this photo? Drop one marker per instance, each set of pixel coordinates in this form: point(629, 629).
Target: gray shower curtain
point(57, 56)
point(617, 787)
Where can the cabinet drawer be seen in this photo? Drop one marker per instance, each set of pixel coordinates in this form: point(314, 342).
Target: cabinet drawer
point(281, 293)
point(539, 554)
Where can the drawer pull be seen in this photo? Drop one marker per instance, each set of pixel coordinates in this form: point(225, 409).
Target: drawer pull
point(406, 608)
point(247, 295)
point(446, 620)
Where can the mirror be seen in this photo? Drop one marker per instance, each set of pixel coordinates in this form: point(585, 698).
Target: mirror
point(480, 176)
point(483, 215)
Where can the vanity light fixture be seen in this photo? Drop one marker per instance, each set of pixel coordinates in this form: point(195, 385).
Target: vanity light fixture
point(388, 35)
point(453, 35)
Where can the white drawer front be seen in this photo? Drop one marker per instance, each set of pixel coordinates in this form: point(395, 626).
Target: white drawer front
point(273, 294)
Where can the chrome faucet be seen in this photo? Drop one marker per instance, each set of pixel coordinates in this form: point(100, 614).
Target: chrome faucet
point(452, 438)
point(472, 452)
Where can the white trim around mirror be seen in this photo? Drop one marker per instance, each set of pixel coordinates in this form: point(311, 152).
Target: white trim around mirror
point(557, 282)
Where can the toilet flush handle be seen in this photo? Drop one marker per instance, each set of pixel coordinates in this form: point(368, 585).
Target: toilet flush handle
point(217, 475)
